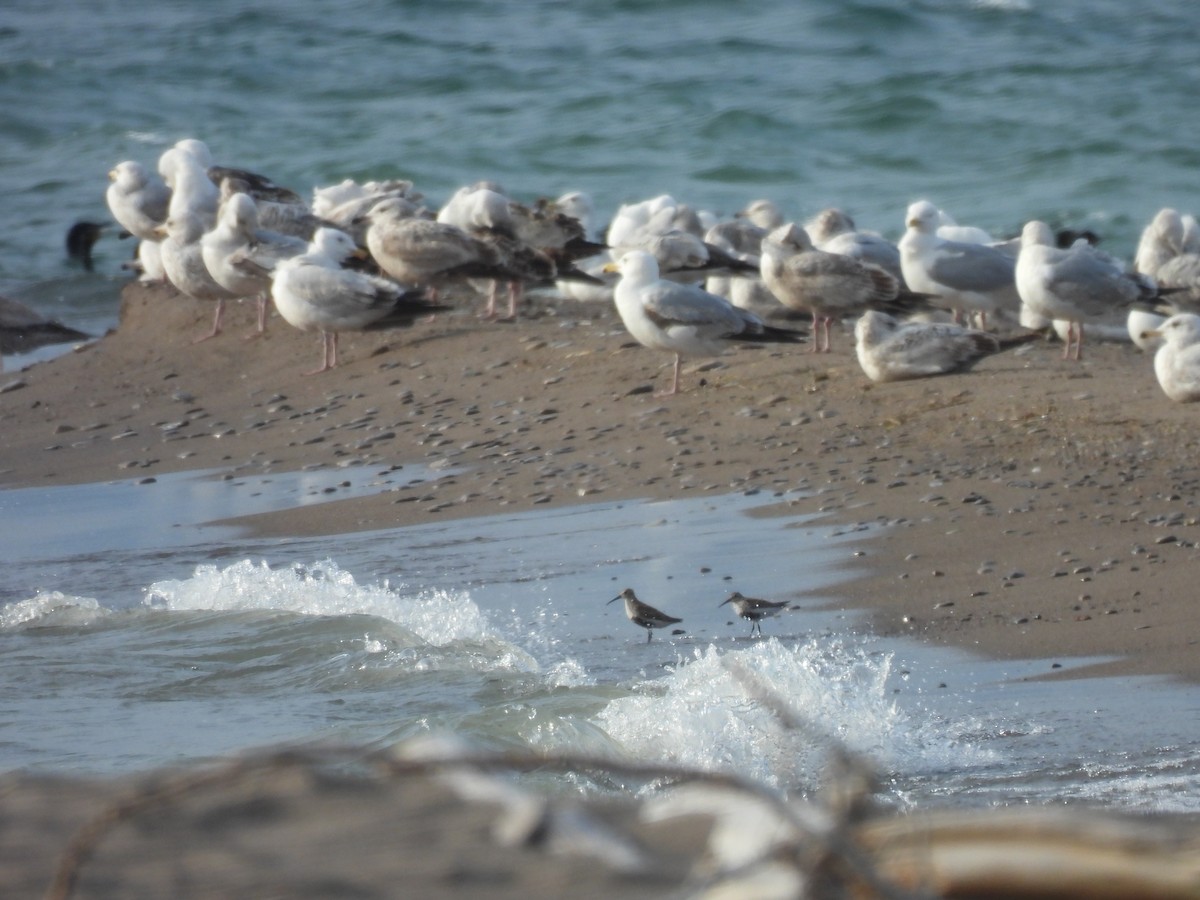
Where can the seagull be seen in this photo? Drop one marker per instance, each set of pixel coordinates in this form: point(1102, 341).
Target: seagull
point(182, 260)
point(1075, 285)
point(763, 213)
point(314, 293)
point(345, 205)
point(138, 199)
point(579, 206)
point(240, 256)
point(655, 226)
point(643, 614)
point(754, 609)
point(682, 319)
point(740, 238)
point(890, 350)
point(1181, 272)
point(1177, 361)
point(1161, 241)
point(828, 285)
point(536, 244)
point(425, 252)
point(834, 231)
point(185, 172)
point(971, 279)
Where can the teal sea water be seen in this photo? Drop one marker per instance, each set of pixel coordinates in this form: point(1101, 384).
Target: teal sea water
point(1074, 111)
point(178, 643)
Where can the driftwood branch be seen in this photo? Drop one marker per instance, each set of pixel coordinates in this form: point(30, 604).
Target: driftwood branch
point(851, 851)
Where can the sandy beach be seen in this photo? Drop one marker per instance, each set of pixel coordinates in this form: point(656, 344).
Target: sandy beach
point(1030, 508)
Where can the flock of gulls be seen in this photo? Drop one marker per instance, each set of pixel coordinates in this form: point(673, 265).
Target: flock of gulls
point(684, 282)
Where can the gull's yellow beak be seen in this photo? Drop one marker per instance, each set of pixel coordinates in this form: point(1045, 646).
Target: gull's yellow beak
point(112, 174)
point(611, 267)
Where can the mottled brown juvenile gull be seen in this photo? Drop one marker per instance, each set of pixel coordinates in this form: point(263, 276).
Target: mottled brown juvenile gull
point(827, 285)
point(579, 206)
point(890, 350)
point(762, 212)
point(834, 231)
point(536, 243)
point(425, 252)
point(682, 319)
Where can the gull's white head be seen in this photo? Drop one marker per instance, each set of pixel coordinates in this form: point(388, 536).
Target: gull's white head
point(197, 150)
point(239, 211)
point(1167, 224)
point(1036, 233)
point(790, 237)
point(923, 216)
point(390, 210)
point(334, 244)
point(873, 326)
point(129, 174)
point(636, 265)
point(829, 223)
point(763, 213)
point(1180, 330)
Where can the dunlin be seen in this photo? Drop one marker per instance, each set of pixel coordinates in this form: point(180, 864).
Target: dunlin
point(643, 614)
point(754, 609)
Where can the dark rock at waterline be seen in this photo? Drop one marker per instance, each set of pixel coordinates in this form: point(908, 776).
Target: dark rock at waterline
point(23, 329)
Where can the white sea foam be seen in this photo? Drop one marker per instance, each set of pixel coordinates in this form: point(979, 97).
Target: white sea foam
point(50, 608)
point(703, 716)
point(438, 617)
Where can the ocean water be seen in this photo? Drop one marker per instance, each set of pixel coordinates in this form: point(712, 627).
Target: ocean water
point(123, 648)
point(1074, 111)
point(154, 639)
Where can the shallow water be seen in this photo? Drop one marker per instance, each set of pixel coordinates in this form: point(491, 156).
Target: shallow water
point(497, 630)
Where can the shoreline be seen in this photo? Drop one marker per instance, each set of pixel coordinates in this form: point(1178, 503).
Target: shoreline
point(1031, 508)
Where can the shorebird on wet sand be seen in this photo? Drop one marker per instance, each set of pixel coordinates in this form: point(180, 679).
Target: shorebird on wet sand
point(754, 609)
point(643, 614)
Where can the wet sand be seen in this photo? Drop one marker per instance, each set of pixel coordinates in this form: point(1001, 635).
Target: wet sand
point(1030, 508)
